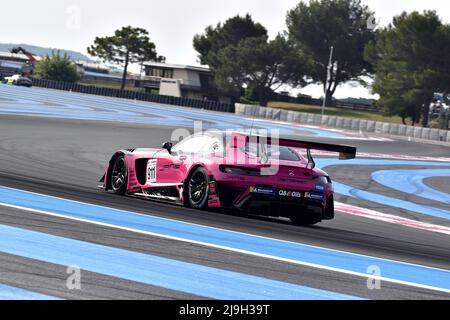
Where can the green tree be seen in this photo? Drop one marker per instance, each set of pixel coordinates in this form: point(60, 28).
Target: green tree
point(410, 62)
point(240, 54)
point(57, 67)
point(319, 24)
point(264, 66)
point(128, 45)
point(235, 29)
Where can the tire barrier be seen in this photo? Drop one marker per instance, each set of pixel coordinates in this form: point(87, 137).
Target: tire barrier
point(367, 126)
point(134, 95)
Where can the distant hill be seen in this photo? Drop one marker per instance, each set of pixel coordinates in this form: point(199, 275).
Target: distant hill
point(40, 51)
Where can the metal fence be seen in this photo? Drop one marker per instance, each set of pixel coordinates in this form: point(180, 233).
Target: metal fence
point(357, 106)
point(134, 95)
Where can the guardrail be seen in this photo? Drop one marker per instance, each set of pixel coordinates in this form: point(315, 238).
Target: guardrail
point(344, 123)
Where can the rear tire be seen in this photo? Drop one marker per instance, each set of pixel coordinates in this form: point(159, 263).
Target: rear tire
point(119, 176)
point(329, 209)
point(305, 221)
point(306, 217)
point(198, 189)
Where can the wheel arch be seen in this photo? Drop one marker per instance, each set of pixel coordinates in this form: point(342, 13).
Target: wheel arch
point(191, 172)
point(189, 175)
point(195, 167)
point(110, 168)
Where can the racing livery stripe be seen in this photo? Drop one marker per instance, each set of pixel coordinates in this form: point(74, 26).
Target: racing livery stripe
point(153, 270)
point(307, 255)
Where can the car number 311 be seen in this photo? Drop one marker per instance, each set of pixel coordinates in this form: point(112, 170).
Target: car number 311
point(151, 171)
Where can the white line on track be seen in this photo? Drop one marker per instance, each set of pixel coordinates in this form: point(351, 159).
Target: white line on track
point(231, 249)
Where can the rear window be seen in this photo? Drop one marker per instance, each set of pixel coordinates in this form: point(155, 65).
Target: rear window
point(281, 153)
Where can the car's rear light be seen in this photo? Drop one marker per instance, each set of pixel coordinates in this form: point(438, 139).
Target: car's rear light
point(240, 170)
point(322, 179)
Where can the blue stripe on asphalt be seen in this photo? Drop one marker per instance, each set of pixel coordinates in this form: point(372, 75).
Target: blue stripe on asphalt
point(12, 293)
point(278, 249)
point(152, 270)
point(67, 105)
point(350, 191)
point(411, 181)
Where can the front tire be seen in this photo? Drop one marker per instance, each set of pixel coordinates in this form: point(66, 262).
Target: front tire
point(198, 189)
point(119, 176)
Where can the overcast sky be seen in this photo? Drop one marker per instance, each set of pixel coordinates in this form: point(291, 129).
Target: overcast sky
point(73, 24)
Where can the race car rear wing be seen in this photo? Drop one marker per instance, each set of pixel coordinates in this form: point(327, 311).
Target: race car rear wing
point(345, 152)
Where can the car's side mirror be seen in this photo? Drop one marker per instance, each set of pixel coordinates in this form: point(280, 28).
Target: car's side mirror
point(168, 146)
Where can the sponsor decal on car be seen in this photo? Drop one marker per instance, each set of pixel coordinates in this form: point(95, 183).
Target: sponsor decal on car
point(320, 187)
point(151, 171)
point(259, 190)
point(289, 194)
point(314, 196)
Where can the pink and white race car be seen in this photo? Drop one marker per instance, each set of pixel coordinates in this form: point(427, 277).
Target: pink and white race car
point(255, 174)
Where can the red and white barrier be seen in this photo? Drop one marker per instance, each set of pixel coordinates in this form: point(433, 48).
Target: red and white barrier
point(375, 215)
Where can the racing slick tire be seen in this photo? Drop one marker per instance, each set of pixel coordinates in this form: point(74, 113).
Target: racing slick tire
point(308, 217)
point(119, 176)
point(197, 192)
point(305, 220)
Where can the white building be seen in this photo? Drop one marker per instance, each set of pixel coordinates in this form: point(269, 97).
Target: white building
point(183, 81)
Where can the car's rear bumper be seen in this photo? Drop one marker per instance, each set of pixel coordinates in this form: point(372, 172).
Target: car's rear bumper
point(275, 200)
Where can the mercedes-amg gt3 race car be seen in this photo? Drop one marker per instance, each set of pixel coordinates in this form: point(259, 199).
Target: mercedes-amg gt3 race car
point(255, 174)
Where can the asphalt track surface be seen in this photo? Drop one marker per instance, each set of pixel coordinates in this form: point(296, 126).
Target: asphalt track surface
point(64, 157)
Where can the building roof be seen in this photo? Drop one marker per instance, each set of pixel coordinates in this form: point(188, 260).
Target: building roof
point(5, 55)
point(177, 66)
point(91, 65)
point(11, 64)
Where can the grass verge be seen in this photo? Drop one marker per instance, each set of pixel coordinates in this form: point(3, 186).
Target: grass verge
point(338, 112)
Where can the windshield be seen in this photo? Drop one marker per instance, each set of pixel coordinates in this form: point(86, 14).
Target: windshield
point(271, 152)
point(200, 143)
point(215, 143)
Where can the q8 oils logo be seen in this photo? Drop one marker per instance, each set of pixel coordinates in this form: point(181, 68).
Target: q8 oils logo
point(290, 194)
